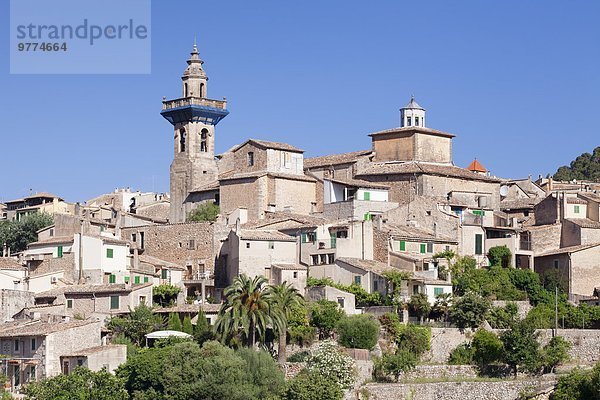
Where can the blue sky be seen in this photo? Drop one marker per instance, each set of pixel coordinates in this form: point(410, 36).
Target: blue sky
point(516, 81)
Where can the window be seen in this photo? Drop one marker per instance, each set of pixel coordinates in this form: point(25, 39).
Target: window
point(16, 345)
point(447, 248)
point(342, 234)
point(295, 274)
point(271, 245)
point(368, 217)
point(33, 344)
point(416, 121)
point(112, 278)
point(287, 159)
point(202, 90)
point(309, 237)
point(145, 279)
point(314, 259)
point(247, 245)
point(191, 244)
point(51, 232)
point(250, 158)
point(367, 195)
point(576, 209)
point(415, 289)
point(142, 240)
point(437, 291)
point(70, 303)
point(126, 279)
point(478, 244)
point(430, 247)
point(134, 237)
point(136, 280)
point(142, 299)
point(109, 253)
point(556, 264)
point(425, 266)
point(478, 212)
point(32, 373)
point(59, 251)
point(79, 362)
point(66, 368)
point(357, 279)
point(402, 245)
point(375, 285)
point(114, 302)
point(340, 301)
point(182, 136)
point(203, 143)
point(423, 248)
point(408, 121)
point(164, 274)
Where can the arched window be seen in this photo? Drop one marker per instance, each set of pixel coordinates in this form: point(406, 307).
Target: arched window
point(182, 137)
point(202, 90)
point(204, 140)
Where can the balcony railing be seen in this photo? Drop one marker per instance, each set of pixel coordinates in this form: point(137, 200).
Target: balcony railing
point(194, 101)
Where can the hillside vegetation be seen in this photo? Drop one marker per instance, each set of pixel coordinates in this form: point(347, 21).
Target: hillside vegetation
point(584, 167)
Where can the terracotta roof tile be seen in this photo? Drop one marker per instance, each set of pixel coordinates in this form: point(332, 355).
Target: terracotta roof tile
point(570, 249)
point(36, 328)
point(274, 235)
point(585, 223)
point(420, 129)
point(476, 166)
point(269, 145)
point(419, 168)
point(290, 267)
point(334, 159)
point(366, 265)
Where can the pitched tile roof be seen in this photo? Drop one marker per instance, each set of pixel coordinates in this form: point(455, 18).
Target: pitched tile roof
point(570, 249)
point(420, 168)
point(296, 220)
point(414, 233)
point(52, 240)
point(290, 267)
point(257, 174)
point(189, 308)
point(334, 159)
point(476, 166)
point(38, 328)
point(269, 145)
point(10, 263)
point(366, 265)
point(517, 204)
point(585, 223)
point(157, 262)
point(358, 183)
point(247, 234)
point(93, 350)
point(87, 289)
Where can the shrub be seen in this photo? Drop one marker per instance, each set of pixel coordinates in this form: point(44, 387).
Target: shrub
point(205, 212)
point(312, 386)
point(396, 364)
point(469, 311)
point(391, 323)
point(414, 339)
point(461, 355)
point(419, 305)
point(329, 362)
point(165, 295)
point(521, 347)
point(487, 348)
point(358, 331)
point(555, 353)
point(300, 356)
point(324, 315)
point(578, 385)
point(502, 317)
point(500, 256)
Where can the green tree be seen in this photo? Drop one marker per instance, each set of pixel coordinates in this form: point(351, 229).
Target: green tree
point(395, 279)
point(205, 212)
point(18, 234)
point(324, 315)
point(577, 385)
point(165, 294)
point(555, 352)
point(284, 300)
point(246, 313)
point(521, 348)
point(202, 331)
point(414, 338)
point(395, 364)
point(299, 330)
point(312, 386)
point(441, 307)
point(174, 323)
point(358, 331)
point(502, 317)
point(469, 311)
point(137, 324)
point(584, 167)
point(187, 326)
point(81, 384)
point(500, 256)
point(461, 355)
point(419, 305)
point(487, 348)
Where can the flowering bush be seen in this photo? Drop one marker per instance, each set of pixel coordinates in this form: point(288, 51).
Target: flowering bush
point(327, 361)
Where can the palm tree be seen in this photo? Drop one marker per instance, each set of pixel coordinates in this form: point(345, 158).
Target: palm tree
point(246, 311)
point(285, 298)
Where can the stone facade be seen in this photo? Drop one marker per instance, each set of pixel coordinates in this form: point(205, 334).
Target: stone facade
point(13, 301)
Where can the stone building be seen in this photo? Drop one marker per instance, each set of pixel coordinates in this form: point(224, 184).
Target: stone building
point(37, 203)
point(33, 349)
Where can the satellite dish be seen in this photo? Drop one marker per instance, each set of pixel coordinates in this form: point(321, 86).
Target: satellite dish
point(504, 191)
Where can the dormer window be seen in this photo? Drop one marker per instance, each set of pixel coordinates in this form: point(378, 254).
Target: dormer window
point(250, 158)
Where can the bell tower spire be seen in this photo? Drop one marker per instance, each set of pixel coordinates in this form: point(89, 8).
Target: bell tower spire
point(194, 117)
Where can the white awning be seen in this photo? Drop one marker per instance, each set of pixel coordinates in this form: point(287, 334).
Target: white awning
point(166, 334)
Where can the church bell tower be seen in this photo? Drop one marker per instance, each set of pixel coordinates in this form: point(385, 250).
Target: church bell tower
point(194, 117)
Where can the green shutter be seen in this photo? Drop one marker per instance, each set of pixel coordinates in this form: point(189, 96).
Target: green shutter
point(69, 303)
point(576, 209)
point(109, 253)
point(59, 251)
point(136, 279)
point(145, 279)
point(357, 279)
point(112, 278)
point(114, 302)
point(303, 237)
point(423, 248)
point(163, 274)
point(478, 244)
point(367, 196)
point(367, 217)
point(402, 245)
point(438, 290)
point(126, 279)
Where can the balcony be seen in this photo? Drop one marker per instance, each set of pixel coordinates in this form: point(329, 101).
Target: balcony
point(194, 101)
point(197, 278)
